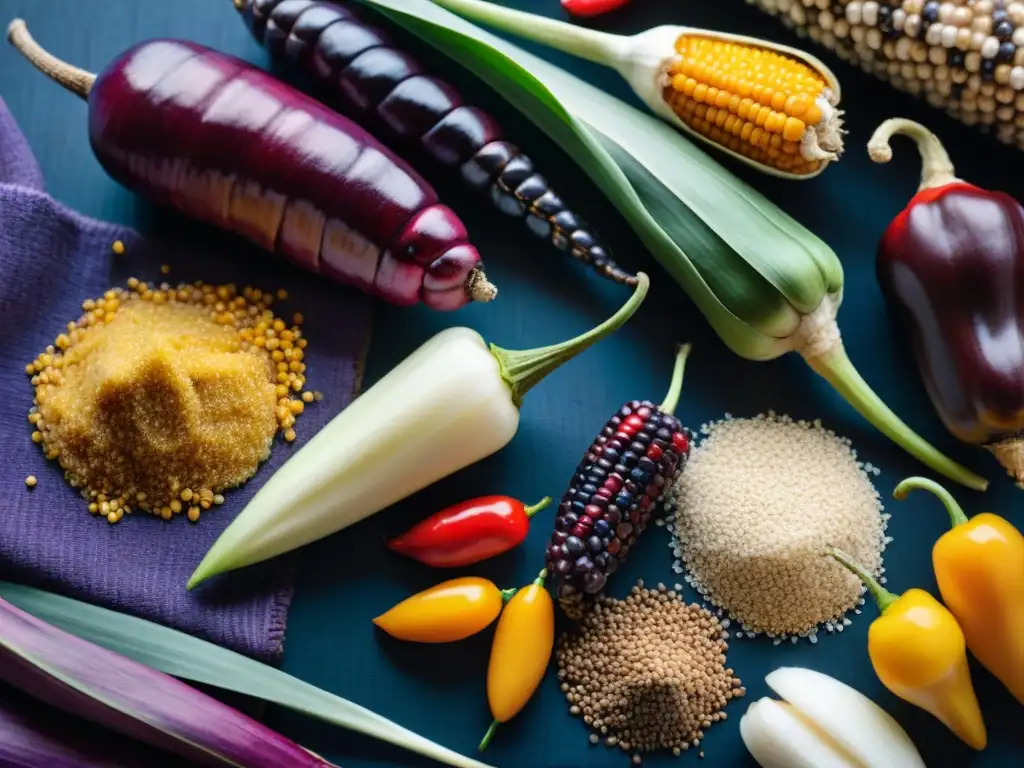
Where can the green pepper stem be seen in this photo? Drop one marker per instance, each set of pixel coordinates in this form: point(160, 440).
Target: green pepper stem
point(835, 367)
point(531, 511)
point(589, 44)
point(668, 405)
point(882, 596)
point(488, 736)
point(956, 512)
point(508, 594)
point(936, 167)
point(539, 581)
point(524, 369)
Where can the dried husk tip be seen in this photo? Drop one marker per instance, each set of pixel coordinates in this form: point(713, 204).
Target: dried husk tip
point(1010, 453)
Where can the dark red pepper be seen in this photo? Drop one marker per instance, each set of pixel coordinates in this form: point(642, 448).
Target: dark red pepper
point(951, 266)
point(590, 8)
point(468, 532)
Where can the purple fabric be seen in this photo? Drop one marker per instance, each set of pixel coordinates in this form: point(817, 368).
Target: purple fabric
point(51, 259)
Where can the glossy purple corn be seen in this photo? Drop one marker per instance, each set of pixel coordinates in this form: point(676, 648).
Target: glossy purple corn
point(365, 76)
point(611, 498)
point(224, 142)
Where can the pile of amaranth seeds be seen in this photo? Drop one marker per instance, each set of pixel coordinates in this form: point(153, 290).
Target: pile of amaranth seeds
point(751, 517)
point(648, 672)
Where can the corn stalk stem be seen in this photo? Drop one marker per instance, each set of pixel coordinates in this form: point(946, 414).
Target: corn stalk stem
point(675, 387)
point(833, 365)
point(589, 44)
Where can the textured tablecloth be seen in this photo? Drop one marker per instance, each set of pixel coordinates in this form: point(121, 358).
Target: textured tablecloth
point(51, 259)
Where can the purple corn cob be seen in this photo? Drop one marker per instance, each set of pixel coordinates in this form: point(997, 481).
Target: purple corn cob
point(373, 82)
point(623, 475)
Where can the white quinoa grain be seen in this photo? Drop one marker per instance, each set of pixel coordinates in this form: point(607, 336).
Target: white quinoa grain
point(759, 502)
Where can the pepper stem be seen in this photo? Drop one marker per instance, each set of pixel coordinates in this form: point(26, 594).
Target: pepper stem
point(956, 512)
point(589, 44)
point(539, 581)
point(936, 167)
point(524, 369)
point(74, 79)
point(668, 405)
point(488, 736)
point(531, 511)
point(508, 594)
point(835, 367)
point(882, 596)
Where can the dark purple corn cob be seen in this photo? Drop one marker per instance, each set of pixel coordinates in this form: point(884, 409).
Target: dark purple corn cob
point(386, 90)
point(623, 475)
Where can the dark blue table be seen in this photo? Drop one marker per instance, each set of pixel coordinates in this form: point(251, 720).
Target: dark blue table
point(344, 581)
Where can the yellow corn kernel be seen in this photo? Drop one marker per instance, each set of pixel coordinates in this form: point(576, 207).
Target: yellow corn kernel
point(747, 99)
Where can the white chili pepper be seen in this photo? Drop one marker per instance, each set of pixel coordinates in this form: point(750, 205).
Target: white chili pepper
point(452, 402)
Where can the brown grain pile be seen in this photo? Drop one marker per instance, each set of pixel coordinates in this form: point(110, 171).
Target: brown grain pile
point(160, 397)
point(647, 672)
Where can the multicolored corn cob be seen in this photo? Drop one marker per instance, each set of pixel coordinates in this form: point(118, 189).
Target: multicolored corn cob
point(768, 107)
point(965, 57)
point(637, 455)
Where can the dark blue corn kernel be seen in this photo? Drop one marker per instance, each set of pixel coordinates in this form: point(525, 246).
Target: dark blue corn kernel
point(629, 458)
point(1006, 51)
point(584, 564)
point(646, 465)
point(611, 454)
point(930, 12)
point(571, 518)
point(1003, 30)
point(587, 489)
point(594, 544)
point(624, 411)
point(621, 469)
point(605, 464)
point(593, 582)
point(638, 448)
point(608, 431)
point(955, 59)
point(988, 68)
point(573, 546)
point(623, 500)
point(598, 473)
point(664, 434)
point(578, 507)
point(634, 404)
point(999, 15)
point(601, 528)
point(639, 475)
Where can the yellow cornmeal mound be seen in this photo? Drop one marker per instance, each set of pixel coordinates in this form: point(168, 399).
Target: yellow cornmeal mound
point(158, 398)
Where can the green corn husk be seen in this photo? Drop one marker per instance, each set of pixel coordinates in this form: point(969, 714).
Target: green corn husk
point(766, 284)
point(191, 658)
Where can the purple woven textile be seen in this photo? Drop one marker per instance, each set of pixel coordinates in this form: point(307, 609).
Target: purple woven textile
point(51, 259)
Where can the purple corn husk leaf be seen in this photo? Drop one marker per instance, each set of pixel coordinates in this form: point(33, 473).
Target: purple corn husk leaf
point(34, 735)
point(125, 696)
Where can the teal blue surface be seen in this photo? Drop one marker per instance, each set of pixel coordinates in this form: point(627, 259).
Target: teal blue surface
point(346, 580)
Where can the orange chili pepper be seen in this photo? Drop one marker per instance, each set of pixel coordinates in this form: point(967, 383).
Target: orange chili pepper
point(522, 648)
point(452, 610)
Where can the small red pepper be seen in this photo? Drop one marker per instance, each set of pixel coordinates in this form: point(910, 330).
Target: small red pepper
point(591, 8)
point(468, 532)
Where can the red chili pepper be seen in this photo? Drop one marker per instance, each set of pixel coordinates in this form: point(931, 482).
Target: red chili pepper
point(590, 8)
point(468, 532)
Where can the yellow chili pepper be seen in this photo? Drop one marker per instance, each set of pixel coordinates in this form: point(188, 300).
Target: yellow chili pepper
point(979, 566)
point(522, 648)
point(919, 653)
point(452, 610)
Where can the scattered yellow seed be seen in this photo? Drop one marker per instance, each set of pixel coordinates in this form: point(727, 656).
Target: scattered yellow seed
point(218, 498)
point(307, 397)
point(318, 396)
point(298, 318)
point(186, 494)
point(166, 513)
point(118, 247)
point(31, 481)
point(289, 435)
point(112, 517)
point(282, 294)
point(165, 269)
point(193, 514)
point(296, 407)
point(37, 437)
point(175, 506)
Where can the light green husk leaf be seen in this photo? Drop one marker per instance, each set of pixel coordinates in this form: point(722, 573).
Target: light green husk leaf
point(190, 658)
point(766, 284)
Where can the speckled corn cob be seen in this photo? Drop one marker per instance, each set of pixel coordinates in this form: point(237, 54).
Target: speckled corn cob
point(773, 109)
point(609, 502)
point(963, 56)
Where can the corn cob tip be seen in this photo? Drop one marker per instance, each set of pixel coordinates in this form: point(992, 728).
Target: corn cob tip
point(768, 107)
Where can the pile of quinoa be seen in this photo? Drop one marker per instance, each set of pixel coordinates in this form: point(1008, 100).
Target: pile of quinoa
point(159, 398)
point(647, 672)
point(760, 501)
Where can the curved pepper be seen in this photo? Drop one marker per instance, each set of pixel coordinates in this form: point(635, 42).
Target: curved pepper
point(452, 610)
point(588, 9)
point(522, 648)
point(468, 532)
point(979, 566)
point(950, 266)
point(919, 653)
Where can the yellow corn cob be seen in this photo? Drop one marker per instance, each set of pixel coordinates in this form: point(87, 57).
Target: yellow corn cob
point(768, 107)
